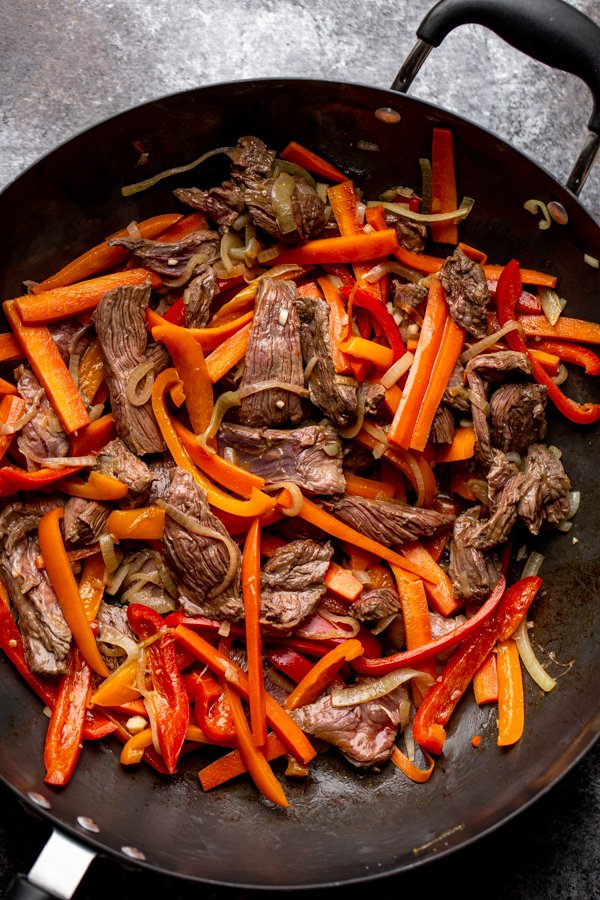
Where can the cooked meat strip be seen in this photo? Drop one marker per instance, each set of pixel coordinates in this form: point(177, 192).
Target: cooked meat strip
point(171, 258)
point(411, 235)
point(310, 456)
point(112, 621)
point(198, 297)
point(356, 457)
point(121, 328)
point(42, 436)
point(386, 521)
point(467, 292)
point(442, 427)
point(473, 572)
point(499, 364)
point(46, 635)
point(456, 394)
point(199, 563)
point(364, 733)
point(518, 416)
point(410, 299)
point(291, 583)
point(545, 494)
point(373, 393)
point(252, 161)
point(336, 397)
point(160, 471)
point(64, 332)
point(370, 606)
point(505, 486)
point(84, 520)
point(307, 208)
point(273, 354)
point(222, 205)
point(115, 459)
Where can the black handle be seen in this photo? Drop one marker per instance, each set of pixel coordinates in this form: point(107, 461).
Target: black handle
point(551, 31)
point(22, 889)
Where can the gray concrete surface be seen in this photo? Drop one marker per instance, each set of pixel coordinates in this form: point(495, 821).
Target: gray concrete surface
point(65, 64)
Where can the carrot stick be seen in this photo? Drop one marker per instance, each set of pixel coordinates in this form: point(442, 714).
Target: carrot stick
point(511, 703)
point(462, 446)
point(94, 436)
point(102, 257)
point(50, 370)
point(444, 197)
point(417, 625)
point(407, 461)
point(354, 248)
point(485, 682)
point(251, 595)
point(342, 582)
point(339, 327)
point(438, 586)
point(143, 524)
point(11, 410)
point(322, 674)
point(447, 357)
point(357, 486)
point(119, 687)
point(432, 264)
point(10, 349)
point(189, 361)
point(344, 205)
point(296, 153)
point(231, 765)
point(564, 330)
point(183, 226)
point(228, 354)
point(432, 330)
point(473, 253)
point(74, 299)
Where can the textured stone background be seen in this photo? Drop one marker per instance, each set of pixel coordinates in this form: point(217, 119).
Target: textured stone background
point(65, 65)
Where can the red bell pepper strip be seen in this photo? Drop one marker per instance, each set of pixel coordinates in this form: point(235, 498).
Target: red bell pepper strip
point(13, 479)
point(168, 695)
point(507, 293)
point(288, 661)
point(65, 730)
point(212, 711)
point(382, 316)
point(571, 353)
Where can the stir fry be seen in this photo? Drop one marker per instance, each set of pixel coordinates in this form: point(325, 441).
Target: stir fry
point(266, 460)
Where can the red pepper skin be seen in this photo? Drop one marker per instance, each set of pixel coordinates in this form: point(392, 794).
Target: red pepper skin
point(65, 730)
point(507, 294)
point(381, 315)
point(572, 353)
point(97, 726)
point(212, 711)
point(168, 696)
point(288, 661)
point(175, 313)
point(13, 479)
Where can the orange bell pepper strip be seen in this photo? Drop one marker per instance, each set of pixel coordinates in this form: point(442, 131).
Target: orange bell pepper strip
point(50, 370)
point(312, 162)
point(439, 587)
point(75, 299)
point(571, 353)
point(357, 486)
point(91, 585)
point(94, 436)
point(432, 331)
point(228, 354)
point(350, 249)
point(252, 756)
point(119, 688)
point(231, 765)
point(91, 371)
point(444, 196)
point(361, 348)
point(447, 356)
point(145, 523)
point(97, 487)
point(460, 448)
point(208, 338)
point(485, 682)
point(132, 751)
point(190, 364)
point(322, 673)
point(251, 595)
point(102, 257)
point(12, 408)
point(285, 728)
point(233, 477)
point(406, 461)
point(10, 349)
point(511, 702)
point(63, 581)
point(64, 738)
point(73, 556)
point(339, 327)
point(402, 762)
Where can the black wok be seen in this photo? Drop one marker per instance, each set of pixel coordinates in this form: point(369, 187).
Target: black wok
point(343, 826)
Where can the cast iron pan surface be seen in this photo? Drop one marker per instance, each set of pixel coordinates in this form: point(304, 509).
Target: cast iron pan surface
point(342, 825)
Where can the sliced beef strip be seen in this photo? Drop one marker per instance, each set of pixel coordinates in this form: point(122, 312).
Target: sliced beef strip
point(84, 521)
point(42, 436)
point(160, 470)
point(222, 205)
point(307, 208)
point(291, 583)
point(467, 292)
point(410, 299)
point(411, 235)
point(545, 493)
point(473, 572)
point(456, 394)
point(442, 427)
point(171, 258)
point(46, 635)
point(67, 332)
point(505, 486)
point(197, 299)
point(386, 521)
point(112, 621)
point(337, 398)
point(116, 460)
point(306, 456)
point(518, 416)
point(273, 354)
point(373, 393)
point(252, 161)
point(370, 606)
point(199, 563)
point(364, 733)
point(121, 328)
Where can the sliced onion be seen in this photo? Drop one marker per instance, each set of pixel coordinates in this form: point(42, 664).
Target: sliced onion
point(574, 503)
point(489, 341)
point(534, 206)
point(165, 576)
point(384, 268)
point(533, 564)
point(270, 253)
point(350, 431)
point(117, 578)
point(456, 215)
point(96, 411)
point(282, 165)
point(382, 624)
point(397, 370)
point(241, 221)
point(142, 371)
point(332, 449)
point(310, 366)
point(552, 304)
point(297, 498)
point(130, 189)
point(236, 272)
point(562, 375)
point(479, 402)
point(74, 360)
point(372, 689)
point(377, 433)
point(275, 384)
point(281, 197)
point(419, 481)
point(25, 418)
point(107, 548)
point(530, 660)
point(229, 241)
point(591, 261)
point(57, 462)
point(223, 404)
point(198, 259)
point(341, 620)
point(110, 635)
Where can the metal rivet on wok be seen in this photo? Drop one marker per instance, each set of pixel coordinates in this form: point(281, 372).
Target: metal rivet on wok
point(39, 800)
point(387, 114)
point(88, 824)
point(133, 852)
point(558, 212)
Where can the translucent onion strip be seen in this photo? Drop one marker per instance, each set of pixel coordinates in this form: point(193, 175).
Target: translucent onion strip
point(552, 304)
point(352, 430)
point(130, 189)
point(197, 259)
point(489, 341)
point(397, 370)
point(385, 268)
point(25, 418)
point(142, 371)
point(223, 404)
point(455, 215)
point(530, 660)
point(373, 688)
point(57, 462)
point(533, 564)
point(270, 386)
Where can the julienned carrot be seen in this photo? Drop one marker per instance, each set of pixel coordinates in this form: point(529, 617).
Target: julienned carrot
point(145, 523)
point(74, 299)
point(102, 257)
point(228, 354)
point(183, 226)
point(407, 461)
point(207, 338)
point(549, 361)
point(564, 330)
point(284, 727)
point(438, 586)
point(97, 487)
point(10, 349)
point(485, 682)
point(444, 196)
point(61, 577)
point(251, 595)
point(94, 436)
point(91, 370)
point(189, 361)
point(422, 262)
point(231, 765)
point(417, 624)
point(339, 327)
point(381, 357)
point(511, 704)
point(432, 330)
point(6, 387)
point(473, 253)
point(44, 357)
point(344, 206)
point(351, 249)
point(233, 477)
point(342, 582)
point(322, 674)
point(449, 350)
point(312, 162)
point(528, 276)
point(12, 408)
point(462, 446)
point(357, 486)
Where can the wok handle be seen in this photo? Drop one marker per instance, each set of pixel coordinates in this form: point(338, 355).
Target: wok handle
point(550, 31)
point(56, 872)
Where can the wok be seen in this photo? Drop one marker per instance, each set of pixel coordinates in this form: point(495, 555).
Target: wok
point(343, 826)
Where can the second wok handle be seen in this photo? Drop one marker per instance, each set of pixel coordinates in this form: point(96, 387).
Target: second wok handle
point(550, 31)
